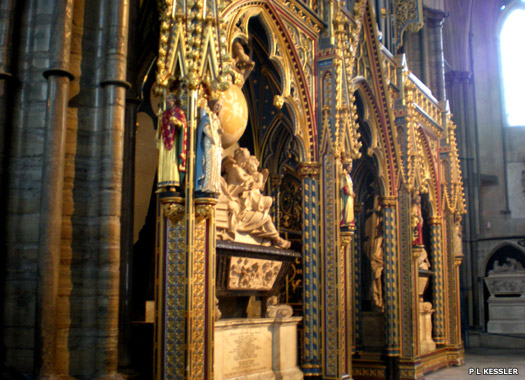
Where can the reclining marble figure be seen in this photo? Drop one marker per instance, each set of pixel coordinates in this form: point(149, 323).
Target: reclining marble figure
point(243, 212)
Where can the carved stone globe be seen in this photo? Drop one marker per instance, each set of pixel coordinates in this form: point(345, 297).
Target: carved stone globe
point(233, 115)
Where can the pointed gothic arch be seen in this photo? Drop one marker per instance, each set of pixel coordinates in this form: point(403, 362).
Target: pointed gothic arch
point(378, 144)
point(430, 168)
point(295, 89)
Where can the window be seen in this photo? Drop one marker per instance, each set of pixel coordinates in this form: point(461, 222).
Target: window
point(512, 55)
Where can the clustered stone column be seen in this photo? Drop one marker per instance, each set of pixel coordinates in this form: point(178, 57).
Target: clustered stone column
point(65, 176)
point(58, 78)
point(309, 173)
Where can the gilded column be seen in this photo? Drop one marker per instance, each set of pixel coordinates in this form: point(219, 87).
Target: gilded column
point(201, 292)
point(346, 298)
point(438, 280)
point(170, 354)
point(357, 291)
point(309, 173)
point(391, 277)
point(335, 342)
point(454, 257)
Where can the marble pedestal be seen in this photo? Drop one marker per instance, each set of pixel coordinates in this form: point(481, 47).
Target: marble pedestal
point(256, 349)
point(506, 315)
point(426, 343)
point(506, 302)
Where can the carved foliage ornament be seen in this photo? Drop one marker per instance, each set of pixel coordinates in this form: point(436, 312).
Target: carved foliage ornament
point(408, 14)
point(174, 212)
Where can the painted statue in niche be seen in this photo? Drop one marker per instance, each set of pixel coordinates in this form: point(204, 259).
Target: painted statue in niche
point(171, 141)
point(458, 238)
point(248, 210)
point(417, 227)
point(209, 149)
point(416, 220)
point(346, 194)
point(374, 250)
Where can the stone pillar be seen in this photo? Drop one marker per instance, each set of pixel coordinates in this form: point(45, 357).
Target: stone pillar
point(309, 172)
point(392, 288)
point(114, 87)
point(50, 223)
point(434, 38)
point(7, 19)
point(438, 280)
point(126, 239)
point(460, 90)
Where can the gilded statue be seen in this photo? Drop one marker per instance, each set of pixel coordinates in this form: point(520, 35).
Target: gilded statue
point(374, 251)
point(248, 209)
point(171, 141)
point(209, 149)
point(346, 196)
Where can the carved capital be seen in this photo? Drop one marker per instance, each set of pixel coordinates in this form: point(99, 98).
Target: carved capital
point(309, 169)
point(203, 211)
point(204, 208)
point(434, 220)
point(174, 211)
point(389, 201)
point(346, 237)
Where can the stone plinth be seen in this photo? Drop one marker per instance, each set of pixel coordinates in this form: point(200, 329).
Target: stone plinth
point(256, 348)
point(506, 315)
point(426, 343)
point(506, 302)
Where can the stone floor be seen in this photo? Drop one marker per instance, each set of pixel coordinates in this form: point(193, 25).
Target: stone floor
point(478, 359)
